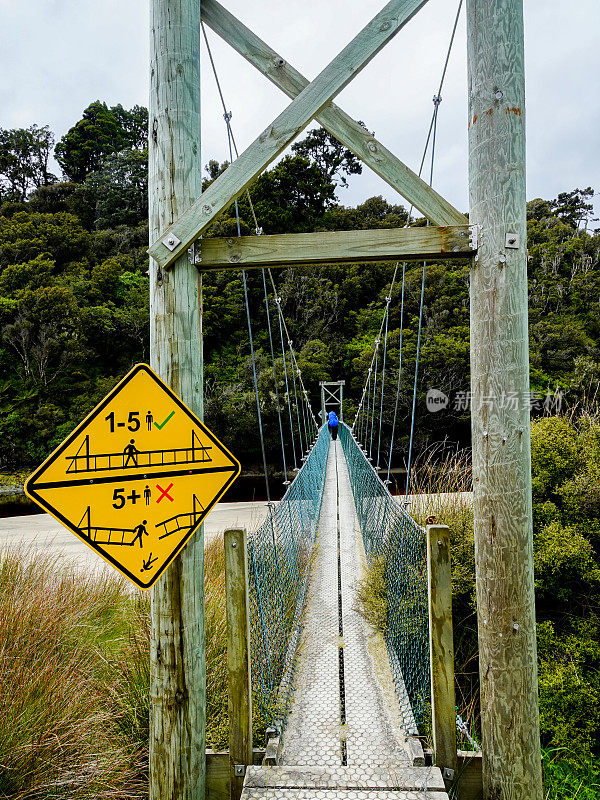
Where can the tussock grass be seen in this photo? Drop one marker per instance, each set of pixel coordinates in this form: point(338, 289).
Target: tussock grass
point(441, 492)
point(443, 485)
point(217, 692)
point(371, 595)
point(75, 676)
point(61, 724)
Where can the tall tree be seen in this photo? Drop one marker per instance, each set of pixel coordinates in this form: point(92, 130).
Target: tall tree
point(333, 159)
point(101, 132)
point(24, 156)
point(574, 208)
point(134, 123)
point(117, 193)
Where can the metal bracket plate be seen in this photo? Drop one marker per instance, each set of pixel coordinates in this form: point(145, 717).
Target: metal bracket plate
point(512, 241)
point(194, 254)
point(171, 242)
point(473, 237)
point(239, 770)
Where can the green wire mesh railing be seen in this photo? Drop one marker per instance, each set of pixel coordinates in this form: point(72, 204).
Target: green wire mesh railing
point(394, 540)
point(279, 558)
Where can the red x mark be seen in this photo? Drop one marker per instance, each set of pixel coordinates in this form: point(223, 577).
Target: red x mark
point(165, 492)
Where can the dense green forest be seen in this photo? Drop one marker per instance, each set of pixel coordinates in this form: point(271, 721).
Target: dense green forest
point(74, 292)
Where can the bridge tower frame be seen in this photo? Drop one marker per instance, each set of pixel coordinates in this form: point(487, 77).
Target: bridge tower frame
point(332, 391)
point(495, 235)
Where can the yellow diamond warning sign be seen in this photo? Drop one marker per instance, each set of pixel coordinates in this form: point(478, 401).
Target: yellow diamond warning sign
point(136, 478)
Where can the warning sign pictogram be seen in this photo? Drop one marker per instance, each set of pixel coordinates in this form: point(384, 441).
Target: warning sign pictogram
point(136, 478)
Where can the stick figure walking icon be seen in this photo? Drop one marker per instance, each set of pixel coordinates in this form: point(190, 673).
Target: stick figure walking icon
point(139, 531)
point(131, 453)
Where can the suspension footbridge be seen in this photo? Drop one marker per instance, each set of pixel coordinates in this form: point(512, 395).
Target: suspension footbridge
point(344, 705)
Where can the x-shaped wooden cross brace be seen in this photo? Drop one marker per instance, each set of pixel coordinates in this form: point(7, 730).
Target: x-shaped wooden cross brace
point(311, 100)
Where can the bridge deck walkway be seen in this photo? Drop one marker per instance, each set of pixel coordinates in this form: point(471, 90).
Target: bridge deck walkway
point(344, 737)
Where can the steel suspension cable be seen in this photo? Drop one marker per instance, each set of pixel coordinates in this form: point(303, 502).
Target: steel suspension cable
point(372, 362)
point(433, 131)
point(293, 371)
point(292, 350)
point(366, 431)
point(231, 142)
point(377, 341)
point(308, 415)
point(287, 387)
point(285, 475)
point(412, 420)
point(360, 414)
point(257, 228)
point(249, 321)
point(437, 99)
point(399, 374)
point(258, 412)
point(303, 414)
point(385, 340)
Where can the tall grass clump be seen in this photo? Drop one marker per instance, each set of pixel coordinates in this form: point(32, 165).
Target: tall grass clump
point(60, 729)
point(567, 777)
point(75, 678)
point(217, 692)
point(442, 492)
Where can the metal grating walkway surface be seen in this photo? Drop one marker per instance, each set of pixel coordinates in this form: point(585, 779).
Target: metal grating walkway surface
point(344, 736)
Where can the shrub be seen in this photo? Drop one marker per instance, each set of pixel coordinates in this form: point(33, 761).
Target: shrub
point(566, 513)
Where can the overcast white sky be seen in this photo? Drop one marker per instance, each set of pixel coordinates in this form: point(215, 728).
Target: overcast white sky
point(59, 55)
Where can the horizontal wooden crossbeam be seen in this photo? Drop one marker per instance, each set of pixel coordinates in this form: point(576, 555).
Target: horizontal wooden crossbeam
point(307, 105)
point(350, 133)
point(402, 244)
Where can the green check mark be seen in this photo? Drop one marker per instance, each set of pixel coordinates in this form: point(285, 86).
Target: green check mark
point(162, 425)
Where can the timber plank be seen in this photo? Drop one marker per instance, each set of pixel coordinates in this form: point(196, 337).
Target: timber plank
point(335, 247)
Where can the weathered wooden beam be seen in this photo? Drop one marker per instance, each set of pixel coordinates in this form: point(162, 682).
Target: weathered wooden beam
point(176, 239)
point(335, 247)
point(502, 512)
point(469, 783)
point(238, 657)
point(217, 772)
point(177, 647)
point(441, 647)
point(348, 131)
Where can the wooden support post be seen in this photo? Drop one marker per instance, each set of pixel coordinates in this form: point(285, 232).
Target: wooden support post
point(238, 657)
point(177, 651)
point(441, 646)
point(500, 427)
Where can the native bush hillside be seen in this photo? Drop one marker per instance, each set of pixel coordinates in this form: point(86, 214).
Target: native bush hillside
point(74, 292)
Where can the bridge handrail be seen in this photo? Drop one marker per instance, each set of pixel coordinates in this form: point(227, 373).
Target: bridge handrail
point(279, 557)
point(394, 542)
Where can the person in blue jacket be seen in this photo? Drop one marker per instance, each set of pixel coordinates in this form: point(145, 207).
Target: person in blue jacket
point(333, 424)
